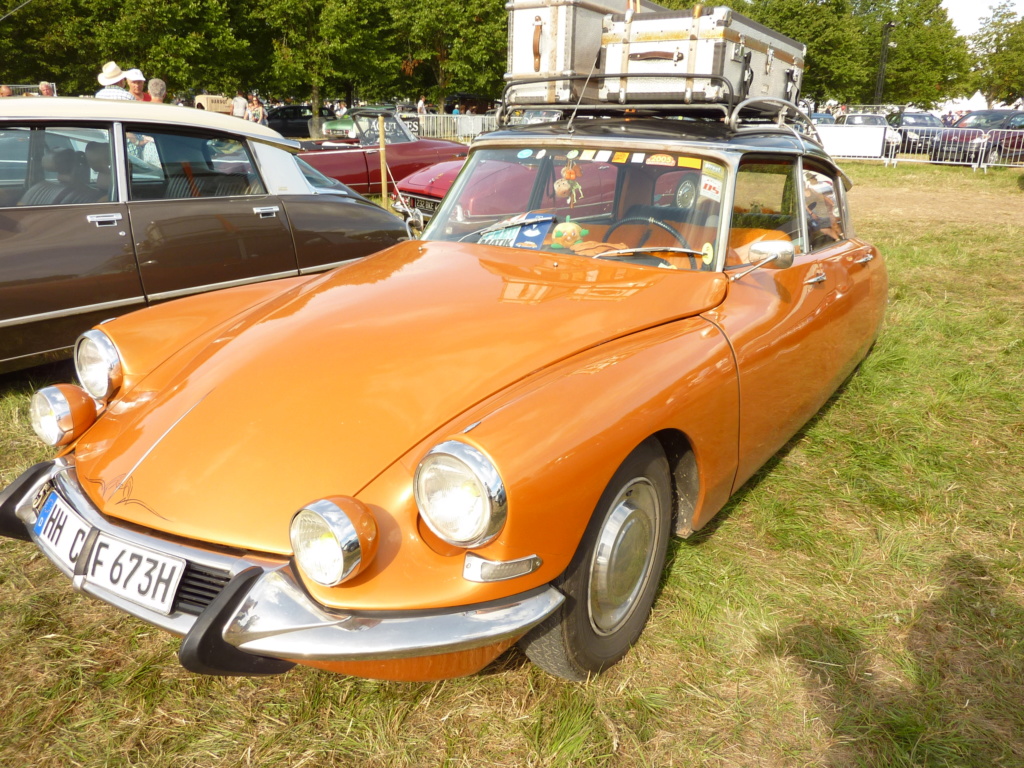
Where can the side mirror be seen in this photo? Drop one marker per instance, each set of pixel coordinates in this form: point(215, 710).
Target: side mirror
point(773, 254)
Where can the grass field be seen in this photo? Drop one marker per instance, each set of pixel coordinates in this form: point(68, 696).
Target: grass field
point(859, 603)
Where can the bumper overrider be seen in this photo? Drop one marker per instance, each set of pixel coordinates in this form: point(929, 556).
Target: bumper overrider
point(247, 614)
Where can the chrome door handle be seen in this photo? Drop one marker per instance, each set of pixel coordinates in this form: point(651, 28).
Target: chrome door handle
point(267, 212)
point(816, 279)
point(104, 219)
point(864, 260)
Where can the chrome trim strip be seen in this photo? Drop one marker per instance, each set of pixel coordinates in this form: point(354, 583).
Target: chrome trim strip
point(325, 267)
point(277, 619)
point(71, 312)
point(218, 286)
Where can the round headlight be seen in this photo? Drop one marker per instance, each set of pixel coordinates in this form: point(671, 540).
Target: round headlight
point(460, 494)
point(333, 539)
point(61, 413)
point(98, 364)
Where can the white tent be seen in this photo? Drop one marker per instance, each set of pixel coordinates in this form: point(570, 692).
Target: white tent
point(977, 101)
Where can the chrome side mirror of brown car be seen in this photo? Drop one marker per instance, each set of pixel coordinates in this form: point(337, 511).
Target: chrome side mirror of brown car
point(772, 254)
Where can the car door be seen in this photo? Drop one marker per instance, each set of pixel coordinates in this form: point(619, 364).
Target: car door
point(200, 213)
point(780, 322)
point(66, 257)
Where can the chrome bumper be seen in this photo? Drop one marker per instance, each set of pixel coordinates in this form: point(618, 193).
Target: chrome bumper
point(263, 613)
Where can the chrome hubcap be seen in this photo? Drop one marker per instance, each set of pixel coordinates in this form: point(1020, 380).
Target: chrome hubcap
point(621, 567)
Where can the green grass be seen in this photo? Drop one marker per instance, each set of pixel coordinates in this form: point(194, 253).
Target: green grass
point(858, 603)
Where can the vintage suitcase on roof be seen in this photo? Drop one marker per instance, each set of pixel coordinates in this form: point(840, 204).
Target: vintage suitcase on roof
point(557, 38)
point(755, 60)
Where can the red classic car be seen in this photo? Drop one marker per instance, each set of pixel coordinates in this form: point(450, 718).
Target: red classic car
point(354, 160)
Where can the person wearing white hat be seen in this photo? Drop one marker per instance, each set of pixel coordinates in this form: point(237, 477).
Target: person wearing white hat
point(137, 84)
point(110, 78)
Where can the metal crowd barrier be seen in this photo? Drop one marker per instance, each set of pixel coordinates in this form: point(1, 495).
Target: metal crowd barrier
point(463, 128)
point(959, 146)
point(1005, 148)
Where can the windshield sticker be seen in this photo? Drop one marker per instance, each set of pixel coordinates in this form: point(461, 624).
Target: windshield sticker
point(587, 154)
point(711, 182)
point(689, 162)
point(603, 155)
point(638, 157)
point(620, 157)
point(667, 160)
point(572, 154)
point(524, 153)
point(525, 231)
point(542, 154)
point(707, 253)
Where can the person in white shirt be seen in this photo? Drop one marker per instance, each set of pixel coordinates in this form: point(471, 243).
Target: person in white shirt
point(239, 104)
point(111, 78)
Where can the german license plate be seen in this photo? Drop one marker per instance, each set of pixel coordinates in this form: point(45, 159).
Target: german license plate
point(136, 573)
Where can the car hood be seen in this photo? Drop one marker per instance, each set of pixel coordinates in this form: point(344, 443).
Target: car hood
point(434, 180)
point(318, 391)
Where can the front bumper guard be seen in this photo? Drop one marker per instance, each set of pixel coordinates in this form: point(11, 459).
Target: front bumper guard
point(264, 620)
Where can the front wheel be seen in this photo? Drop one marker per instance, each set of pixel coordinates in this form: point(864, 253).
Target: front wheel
point(610, 584)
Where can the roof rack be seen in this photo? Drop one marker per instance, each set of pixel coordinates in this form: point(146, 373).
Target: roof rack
point(738, 113)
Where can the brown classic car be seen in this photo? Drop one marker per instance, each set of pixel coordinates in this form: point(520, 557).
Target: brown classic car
point(109, 206)
point(352, 155)
point(477, 439)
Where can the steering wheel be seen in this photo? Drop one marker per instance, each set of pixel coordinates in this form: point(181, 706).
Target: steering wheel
point(647, 220)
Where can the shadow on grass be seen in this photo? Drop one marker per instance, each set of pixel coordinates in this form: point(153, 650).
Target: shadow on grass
point(31, 379)
point(959, 702)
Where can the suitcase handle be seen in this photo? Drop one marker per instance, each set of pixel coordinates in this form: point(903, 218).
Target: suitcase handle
point(538, 28)
point(676, 55)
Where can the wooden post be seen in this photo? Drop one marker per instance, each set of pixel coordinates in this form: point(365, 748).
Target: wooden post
point(386, 203)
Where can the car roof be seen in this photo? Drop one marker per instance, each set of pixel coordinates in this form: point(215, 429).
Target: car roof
point(136, 111)
point(703, 134)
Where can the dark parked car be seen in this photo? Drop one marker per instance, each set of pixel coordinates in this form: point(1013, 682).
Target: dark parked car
point(971, 138)
point(822, 118)
point(917, 130)
point(93, 225)
point(293, 119)
point(352, 155)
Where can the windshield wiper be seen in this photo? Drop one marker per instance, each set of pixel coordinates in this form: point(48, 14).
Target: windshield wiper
point(651, 249)
point(505, 223)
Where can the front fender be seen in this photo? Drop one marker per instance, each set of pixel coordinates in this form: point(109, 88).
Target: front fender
point(556, 438)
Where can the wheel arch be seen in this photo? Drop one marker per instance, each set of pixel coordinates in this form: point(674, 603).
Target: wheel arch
point(685, 476)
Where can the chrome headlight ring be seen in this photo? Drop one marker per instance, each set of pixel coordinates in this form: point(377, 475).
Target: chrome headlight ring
point(333, 539)
point(98, 364)
point(460, 494)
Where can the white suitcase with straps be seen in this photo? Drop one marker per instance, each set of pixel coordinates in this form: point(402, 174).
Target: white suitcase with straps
point(559, 38)
point(755, 60)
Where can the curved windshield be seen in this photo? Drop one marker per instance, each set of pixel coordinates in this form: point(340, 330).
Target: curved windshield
point(655, 208)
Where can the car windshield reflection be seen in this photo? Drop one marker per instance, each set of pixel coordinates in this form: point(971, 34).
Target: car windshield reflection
point(659, 209)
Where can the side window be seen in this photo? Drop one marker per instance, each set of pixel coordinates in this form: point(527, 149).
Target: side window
point(764, 207)
point(170, 166)
point(14, 152)
point(1016, 123)
point(825, 223)
point(54, 166)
